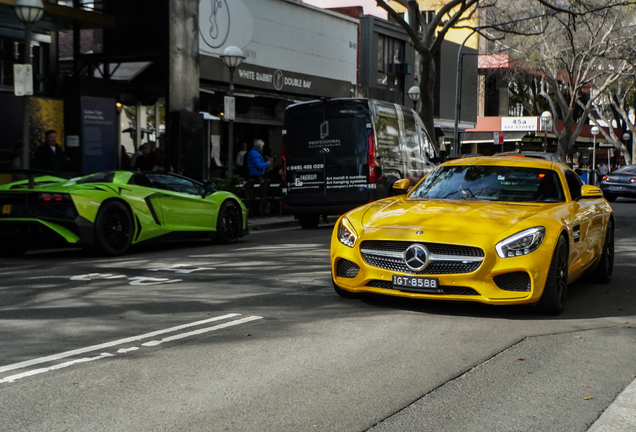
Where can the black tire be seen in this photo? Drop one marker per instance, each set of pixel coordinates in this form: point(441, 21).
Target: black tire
point(610, 197)
point(309, 221)
point(556, 286)
point(229, 223)
point(605, 268)
point(113, 229)
point(344, 293)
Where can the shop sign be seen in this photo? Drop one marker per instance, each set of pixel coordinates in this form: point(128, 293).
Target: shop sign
point(519, 123)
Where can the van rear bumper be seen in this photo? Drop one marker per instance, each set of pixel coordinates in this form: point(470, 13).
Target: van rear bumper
point(323, 210)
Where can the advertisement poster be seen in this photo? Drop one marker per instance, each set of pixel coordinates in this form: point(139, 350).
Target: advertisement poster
point(99, 135)
point(43, 114)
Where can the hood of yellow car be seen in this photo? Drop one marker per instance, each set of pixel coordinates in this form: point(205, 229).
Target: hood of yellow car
point(471, 217)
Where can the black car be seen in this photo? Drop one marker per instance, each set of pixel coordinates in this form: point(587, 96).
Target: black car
point(620, 183)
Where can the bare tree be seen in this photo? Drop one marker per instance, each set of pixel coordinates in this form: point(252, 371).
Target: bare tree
point(427, 38)
point(612, 109)
point(583, 51)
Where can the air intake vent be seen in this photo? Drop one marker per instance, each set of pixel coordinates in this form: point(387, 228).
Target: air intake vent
point(517, 281)
point(347, 269)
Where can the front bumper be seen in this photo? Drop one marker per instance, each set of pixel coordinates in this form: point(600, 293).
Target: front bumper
point(495, 281)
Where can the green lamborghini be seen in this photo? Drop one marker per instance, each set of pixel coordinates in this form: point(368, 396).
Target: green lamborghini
point(109, 211)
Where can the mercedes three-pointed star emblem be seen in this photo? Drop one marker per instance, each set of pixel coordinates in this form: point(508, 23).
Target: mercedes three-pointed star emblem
point(416, 257)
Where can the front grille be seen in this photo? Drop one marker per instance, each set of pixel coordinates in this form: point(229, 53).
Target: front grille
point(347, 269)
point(455, 266)
point(516, 281)
point(436, 248)
point(442, 289)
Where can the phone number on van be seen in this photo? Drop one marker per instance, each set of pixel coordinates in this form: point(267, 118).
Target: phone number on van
point(305, 167)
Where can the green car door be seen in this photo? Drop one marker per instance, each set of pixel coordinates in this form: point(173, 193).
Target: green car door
point(182, 203)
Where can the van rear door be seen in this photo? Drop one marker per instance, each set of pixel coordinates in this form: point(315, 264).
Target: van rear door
point(326, 145)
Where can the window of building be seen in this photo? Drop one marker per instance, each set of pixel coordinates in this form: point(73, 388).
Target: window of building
point(390, 57)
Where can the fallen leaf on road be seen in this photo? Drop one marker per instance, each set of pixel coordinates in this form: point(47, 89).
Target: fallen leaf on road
point(521, 359)
point(122, 317)
point(587, 397)
point(578, 337)
point(584, 386)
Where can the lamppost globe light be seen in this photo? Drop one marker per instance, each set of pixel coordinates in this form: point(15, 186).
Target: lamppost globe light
point(414, 93)
point(626, 136)
point(546, 116)
point(29, 11)
point(232, 57)
point(595, 130)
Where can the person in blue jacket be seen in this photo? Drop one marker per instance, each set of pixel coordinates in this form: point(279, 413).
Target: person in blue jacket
point(255, 163)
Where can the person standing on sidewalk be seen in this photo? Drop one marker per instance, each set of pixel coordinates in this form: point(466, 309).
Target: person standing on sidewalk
point(49, 156)
point(255, 163)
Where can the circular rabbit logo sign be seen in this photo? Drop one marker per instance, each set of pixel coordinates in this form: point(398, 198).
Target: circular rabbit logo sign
point(224, 22)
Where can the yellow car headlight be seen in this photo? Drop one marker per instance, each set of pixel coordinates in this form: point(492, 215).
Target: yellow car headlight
point(346, 233)
point(522, 243)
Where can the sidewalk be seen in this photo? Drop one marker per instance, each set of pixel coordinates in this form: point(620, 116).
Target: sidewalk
point(271, 222)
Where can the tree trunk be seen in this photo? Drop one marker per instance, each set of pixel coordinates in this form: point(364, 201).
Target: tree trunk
point(427, 93)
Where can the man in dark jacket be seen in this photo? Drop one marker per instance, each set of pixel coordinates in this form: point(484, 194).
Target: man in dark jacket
point(49, 156)
point(255, 163)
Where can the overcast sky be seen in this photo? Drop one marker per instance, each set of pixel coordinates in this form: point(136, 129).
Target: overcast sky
point(370, 7)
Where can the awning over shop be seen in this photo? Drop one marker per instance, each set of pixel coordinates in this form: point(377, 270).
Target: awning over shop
point(487, 137)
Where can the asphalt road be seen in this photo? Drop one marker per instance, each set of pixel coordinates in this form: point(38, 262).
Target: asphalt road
point(251, 337)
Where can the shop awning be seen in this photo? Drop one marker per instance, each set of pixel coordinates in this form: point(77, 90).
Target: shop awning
point(487, 137)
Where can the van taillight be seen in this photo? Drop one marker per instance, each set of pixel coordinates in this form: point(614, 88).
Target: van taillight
point(283, 159)
point(374, 175)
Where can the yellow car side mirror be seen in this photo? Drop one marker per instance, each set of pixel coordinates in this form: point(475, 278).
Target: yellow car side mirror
point(402, 185)
point(588, 191)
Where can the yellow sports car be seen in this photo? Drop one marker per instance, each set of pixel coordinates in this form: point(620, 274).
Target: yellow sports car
point(495, 230)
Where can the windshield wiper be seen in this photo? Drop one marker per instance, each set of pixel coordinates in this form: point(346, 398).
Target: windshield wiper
point(464, 192)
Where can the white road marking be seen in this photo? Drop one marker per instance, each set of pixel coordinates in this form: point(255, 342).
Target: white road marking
point(125, 350)
point(179, 268)
point(12, 378)
point(91, 276)
point(100, 347)
point(201, 331)
point(141, 280)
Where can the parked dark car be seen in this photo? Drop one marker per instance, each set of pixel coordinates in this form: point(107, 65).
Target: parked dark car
point(620, 183)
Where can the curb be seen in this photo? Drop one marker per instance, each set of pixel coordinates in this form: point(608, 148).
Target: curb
point(273, 225)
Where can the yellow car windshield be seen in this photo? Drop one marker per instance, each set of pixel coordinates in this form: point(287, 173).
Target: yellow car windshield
point(491, 183)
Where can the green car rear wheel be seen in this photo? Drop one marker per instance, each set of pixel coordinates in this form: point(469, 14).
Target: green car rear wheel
point(113, 229)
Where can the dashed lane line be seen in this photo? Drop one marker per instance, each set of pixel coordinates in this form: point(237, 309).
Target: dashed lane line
point(13, 378)
point(105, 345)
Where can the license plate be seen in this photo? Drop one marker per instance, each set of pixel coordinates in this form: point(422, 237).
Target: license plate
point(6, 209)
point(616, 188)
point(416, 283)
point(307, 177)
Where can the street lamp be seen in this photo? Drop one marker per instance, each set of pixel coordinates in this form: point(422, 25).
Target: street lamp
point(595, 130)
point(414, 95)
point(29, 12)
point(232, 58)
point(626, 138)
point(546, 119)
